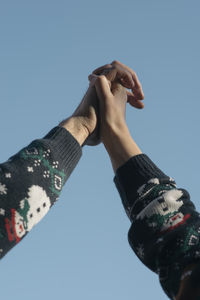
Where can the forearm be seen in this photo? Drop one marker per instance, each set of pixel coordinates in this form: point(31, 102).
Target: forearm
point(31, 182)
point(164, 223)
point(119, 145)
point(76, 126)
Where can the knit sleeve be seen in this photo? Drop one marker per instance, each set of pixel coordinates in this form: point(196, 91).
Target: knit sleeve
point(31, 182)
point(165, 226)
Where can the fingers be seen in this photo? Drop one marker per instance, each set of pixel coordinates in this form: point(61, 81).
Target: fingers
point(134, 102)
point(125, 75)
point(102, 86)
point(137, 87)
point(99, 70)
point(104, 90)
point(116, 73)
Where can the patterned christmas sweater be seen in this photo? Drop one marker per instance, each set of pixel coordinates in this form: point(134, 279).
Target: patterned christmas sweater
point(165, 226)
point(31, 182)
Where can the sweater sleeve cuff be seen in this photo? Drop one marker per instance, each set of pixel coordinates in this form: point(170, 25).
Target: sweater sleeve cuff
point(65, 147)
point(133, 174)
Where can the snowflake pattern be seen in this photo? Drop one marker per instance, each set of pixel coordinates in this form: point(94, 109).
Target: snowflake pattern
point(55, 164)
point(30, 169)
point(37, 162)
point(46, 174)
point(46, 153)
point(2, 212)
point(8, 175)
point(3, 189)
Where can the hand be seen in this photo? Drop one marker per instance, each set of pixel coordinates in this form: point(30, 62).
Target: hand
point(88, 114)
point(113, 96)
point(114, 131)
point(84, 123)
point(118, 72)
point(118, 75)
point(112, 104)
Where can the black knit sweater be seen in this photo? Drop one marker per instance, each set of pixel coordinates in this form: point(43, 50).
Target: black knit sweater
point(165, 226)
point(31, 182)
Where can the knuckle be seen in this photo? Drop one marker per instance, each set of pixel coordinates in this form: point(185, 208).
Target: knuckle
point(108, 66)
point(128, 74)
point(133, 73)
point(115, 62)
point(102, 78)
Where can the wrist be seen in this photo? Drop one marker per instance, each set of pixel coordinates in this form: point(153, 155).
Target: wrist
point(113, 130)
point(76, 126)
point(120, 146)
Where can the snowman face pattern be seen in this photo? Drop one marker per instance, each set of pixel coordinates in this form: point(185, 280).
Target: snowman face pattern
point(39, 204)
point(163, 212)
point(19, 225)
point(32, 210)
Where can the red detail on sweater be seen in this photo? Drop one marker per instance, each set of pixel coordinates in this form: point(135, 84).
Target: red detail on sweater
point(187, 216)
point(10, 227)
point(13, 224)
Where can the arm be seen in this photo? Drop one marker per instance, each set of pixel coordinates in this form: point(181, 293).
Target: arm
point(31, 181)
point(164, 231)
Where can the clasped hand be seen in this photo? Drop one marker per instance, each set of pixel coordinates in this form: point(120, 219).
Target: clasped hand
point(102, 109)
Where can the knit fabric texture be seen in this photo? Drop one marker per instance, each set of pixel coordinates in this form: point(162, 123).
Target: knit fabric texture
point(31, 182)
point(165, 226)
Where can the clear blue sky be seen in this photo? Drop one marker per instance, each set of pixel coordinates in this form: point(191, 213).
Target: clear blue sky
point(47, 49)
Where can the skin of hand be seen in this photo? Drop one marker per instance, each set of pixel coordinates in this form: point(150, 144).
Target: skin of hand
point(84, 124)
point(118, 72)
point(120, 145)
point(114, 131)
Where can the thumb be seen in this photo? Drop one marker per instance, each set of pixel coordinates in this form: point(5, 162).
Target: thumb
point(102, 86)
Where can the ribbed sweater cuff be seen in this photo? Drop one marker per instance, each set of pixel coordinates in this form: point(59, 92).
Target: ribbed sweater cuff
point(133, 174)
point(65, 146)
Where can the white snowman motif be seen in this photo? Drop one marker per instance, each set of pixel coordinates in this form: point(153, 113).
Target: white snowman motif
point(32, 209)
point(39, 205)
point(168, 203)
point(173, 221)
point(19, 225)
